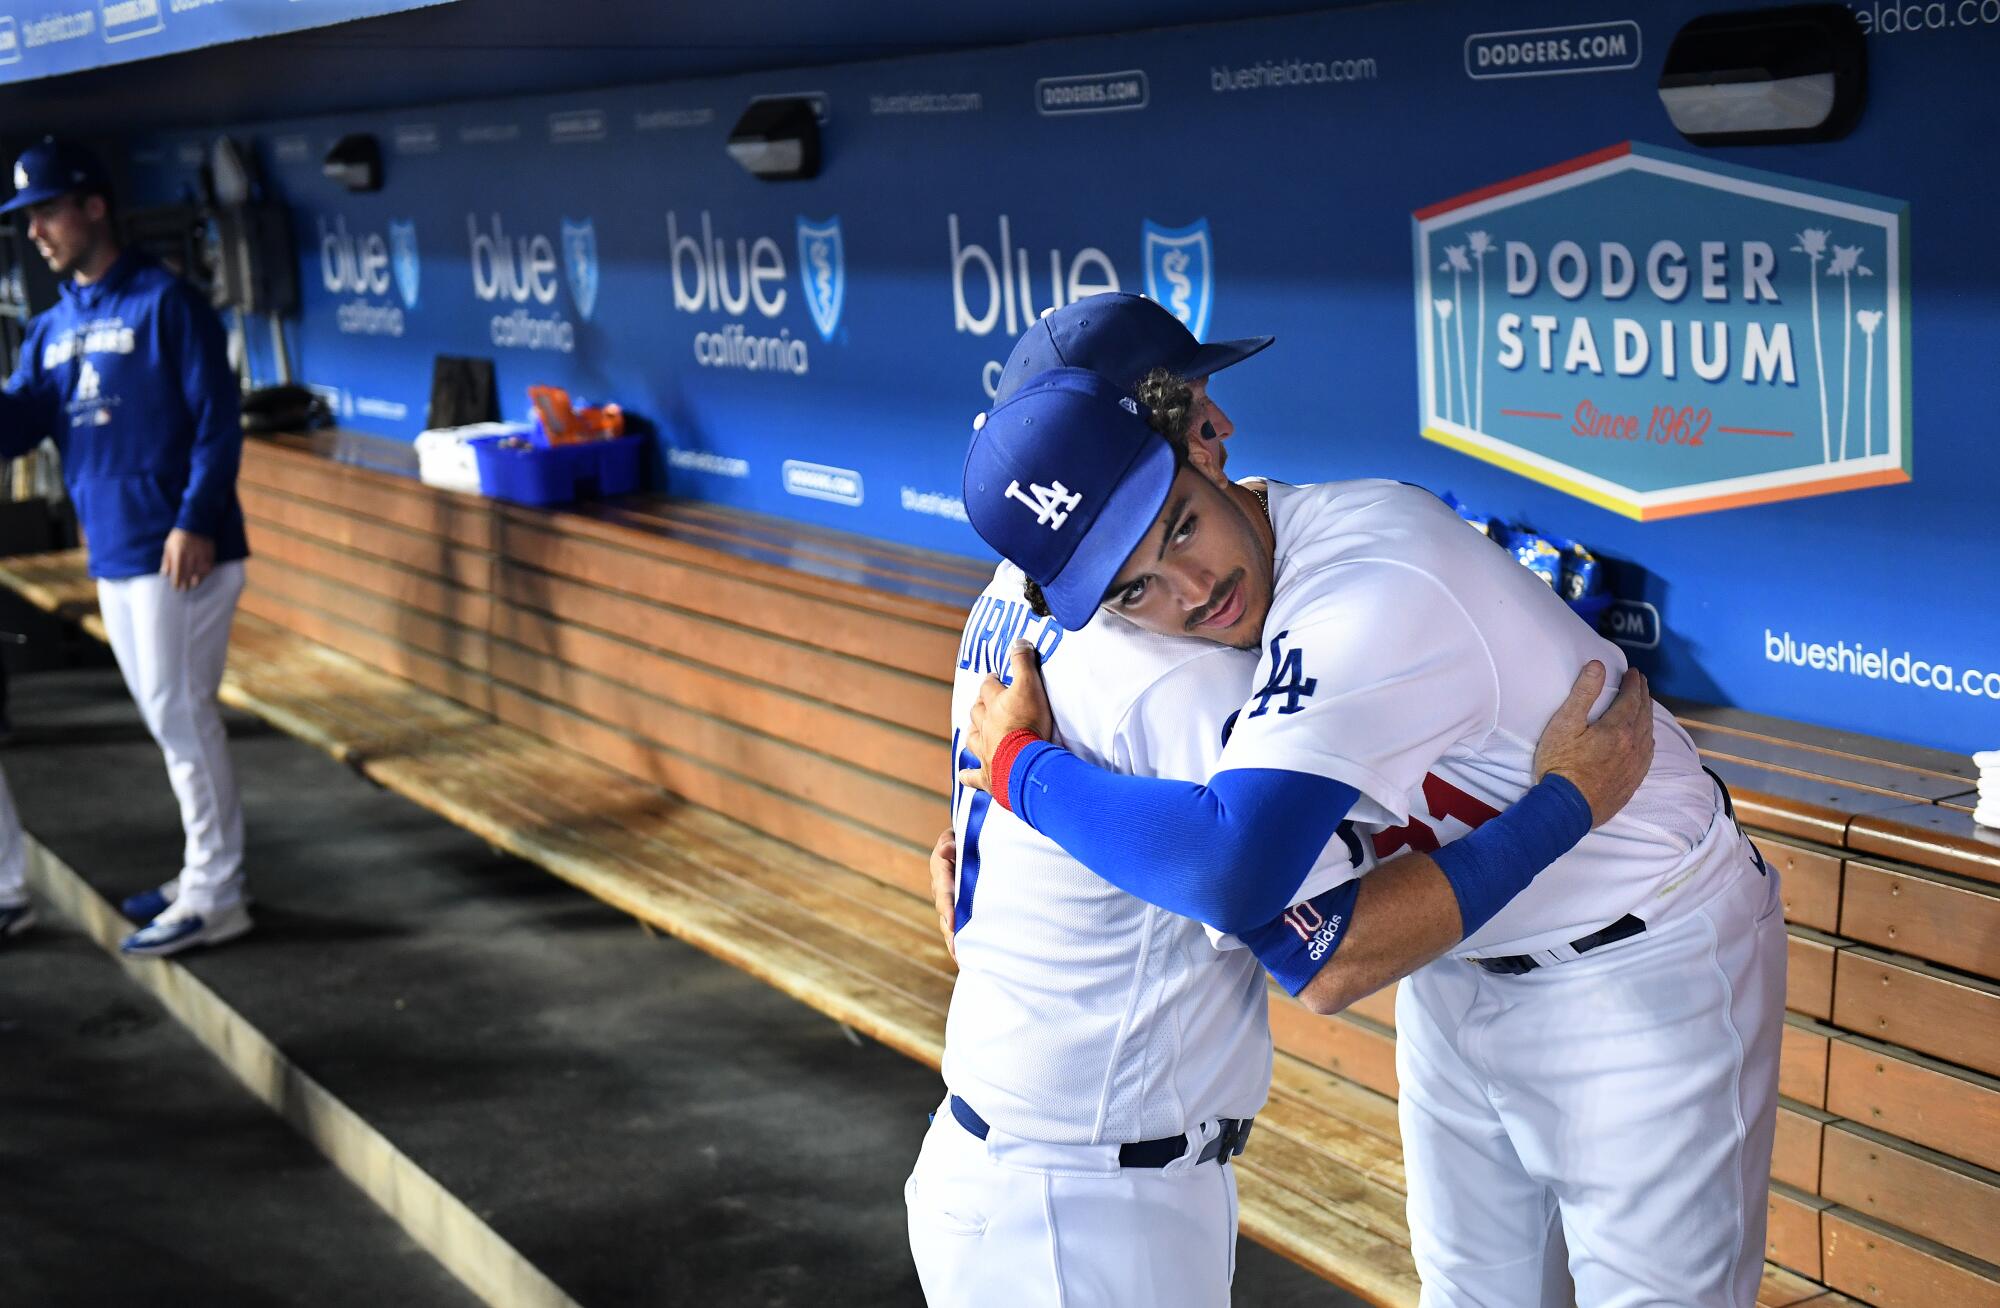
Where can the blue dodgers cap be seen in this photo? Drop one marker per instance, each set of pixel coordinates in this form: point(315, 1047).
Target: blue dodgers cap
point(1120, 335)
point(50, 168)
point(1064, 479)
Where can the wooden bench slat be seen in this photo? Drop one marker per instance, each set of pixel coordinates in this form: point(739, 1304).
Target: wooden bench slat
point(919, 703)
point(1915, 1098)
point(461, 519)
point(918, 758)
point(831, 834)
point(1894, 1269)
point(1930, 836)
point(1795, 1155)
point(1810, 878)
point(1792, 1235)
point(922, 590)
point(1378, 1007)
point(1802, 1061)
point(1292, 1224)
point(1336, 1096)
point(1916, 1006)
point(414, 665)
point(1806, 807)
point(280, 552)
point(268, 512)
point(57, 583)
point(911, 1025)
point(919, 648)
point(886, 805)
point(1353, 1047)
point(1809, 958)
point(1914, 1188)
point(1828, 740)
point(1946, 919)
point(1290, 1146)
point(464, 645)
point(1786, 1289)
point(1861, 774)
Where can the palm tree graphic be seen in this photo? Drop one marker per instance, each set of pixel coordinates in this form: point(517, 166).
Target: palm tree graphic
point(1482, 245)
point(1846, 265)
point(1455, 260)
point(1812, 244)
point(1869, 319)
point(1444, 341)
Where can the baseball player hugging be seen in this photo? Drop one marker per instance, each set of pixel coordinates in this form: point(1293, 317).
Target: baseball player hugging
point(1105, 1050)
point(1592, 1054)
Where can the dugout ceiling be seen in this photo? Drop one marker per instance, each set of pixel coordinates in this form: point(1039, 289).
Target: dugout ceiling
point(479, 48)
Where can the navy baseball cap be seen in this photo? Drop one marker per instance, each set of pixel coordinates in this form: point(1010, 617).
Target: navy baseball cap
point(1064, 478)
point(1121, 336)
point(50, 168)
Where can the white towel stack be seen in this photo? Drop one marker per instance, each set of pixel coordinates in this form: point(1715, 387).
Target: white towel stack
point(1987, 814)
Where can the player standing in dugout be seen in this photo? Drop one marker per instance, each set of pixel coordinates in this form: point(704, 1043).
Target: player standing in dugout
point(129, 374)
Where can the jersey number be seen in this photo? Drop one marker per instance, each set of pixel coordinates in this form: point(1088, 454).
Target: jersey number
point(975, 819)
point(1444, 800)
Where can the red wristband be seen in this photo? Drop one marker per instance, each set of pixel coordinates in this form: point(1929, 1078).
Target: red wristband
point(1011, 746)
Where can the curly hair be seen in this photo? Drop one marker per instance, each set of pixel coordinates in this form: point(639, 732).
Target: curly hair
point(1169, 403)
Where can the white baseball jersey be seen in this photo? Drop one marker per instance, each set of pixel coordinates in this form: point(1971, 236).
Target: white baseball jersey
point(1410, 657)
point(1083, 1015)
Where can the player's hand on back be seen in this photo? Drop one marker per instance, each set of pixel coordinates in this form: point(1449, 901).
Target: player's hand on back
point(1606, 759)
point(1001, 710)
point(944, 886)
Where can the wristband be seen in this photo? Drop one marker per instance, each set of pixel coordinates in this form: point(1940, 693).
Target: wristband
point(1000, 773)
point(1496, 862)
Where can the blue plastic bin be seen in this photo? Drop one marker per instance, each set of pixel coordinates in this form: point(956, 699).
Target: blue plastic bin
point(558, 474)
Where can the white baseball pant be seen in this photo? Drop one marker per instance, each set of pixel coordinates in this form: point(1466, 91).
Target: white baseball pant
point(1010, 1223)
point(171, 645)
point(13, 852)
point(1624, 1102)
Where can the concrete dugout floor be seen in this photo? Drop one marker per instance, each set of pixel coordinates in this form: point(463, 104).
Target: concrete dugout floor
point(645, 1124)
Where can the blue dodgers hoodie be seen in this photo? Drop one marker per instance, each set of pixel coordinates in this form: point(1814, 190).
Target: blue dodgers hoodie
point(131, 376)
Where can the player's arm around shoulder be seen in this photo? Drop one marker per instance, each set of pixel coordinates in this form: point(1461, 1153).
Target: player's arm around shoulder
point(1413, 908)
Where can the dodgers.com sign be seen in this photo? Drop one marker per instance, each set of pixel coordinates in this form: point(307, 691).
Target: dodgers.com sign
point(1662, 335)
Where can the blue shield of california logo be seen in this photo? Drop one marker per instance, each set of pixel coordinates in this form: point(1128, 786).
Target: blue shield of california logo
point(823, 272)
point(580, 263)
point(403, 258)
point(1180, 271)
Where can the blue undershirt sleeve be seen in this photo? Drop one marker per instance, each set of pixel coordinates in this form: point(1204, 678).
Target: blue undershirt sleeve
point(1300, 941)
point(1231, 853)
point(1494, 863)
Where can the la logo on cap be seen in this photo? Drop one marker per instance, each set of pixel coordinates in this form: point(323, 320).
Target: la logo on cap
point(1051, 505)
point(20, 177)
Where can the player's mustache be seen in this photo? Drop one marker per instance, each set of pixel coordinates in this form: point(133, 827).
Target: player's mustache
point(1217, 598)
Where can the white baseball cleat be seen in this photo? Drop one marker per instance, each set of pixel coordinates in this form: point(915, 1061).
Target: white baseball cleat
point(182, 928)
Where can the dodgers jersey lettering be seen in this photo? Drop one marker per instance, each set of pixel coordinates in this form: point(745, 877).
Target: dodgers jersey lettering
point(1408, 656)
point(1082, 1015)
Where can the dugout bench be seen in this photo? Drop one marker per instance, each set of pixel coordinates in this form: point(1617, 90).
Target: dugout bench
point(733, 728)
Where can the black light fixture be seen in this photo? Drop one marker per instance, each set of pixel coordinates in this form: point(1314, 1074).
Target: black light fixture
point(777, 139)
point(1767, 76)
point(355, 161)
